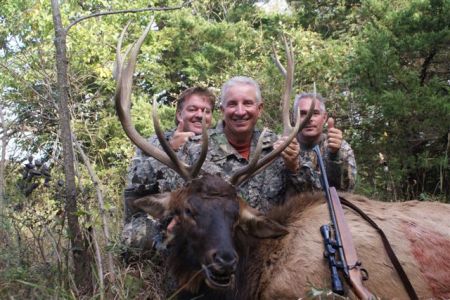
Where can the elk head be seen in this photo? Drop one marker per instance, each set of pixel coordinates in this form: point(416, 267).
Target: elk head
point(208, 216)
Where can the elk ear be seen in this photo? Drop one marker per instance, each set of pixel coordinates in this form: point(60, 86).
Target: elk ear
point(257, 224)
point(155, 205)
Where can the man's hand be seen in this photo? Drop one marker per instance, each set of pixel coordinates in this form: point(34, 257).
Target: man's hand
point(290, 154)
point(180, 137)
point(334, 137)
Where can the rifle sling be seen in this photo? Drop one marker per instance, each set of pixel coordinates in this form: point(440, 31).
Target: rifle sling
point(401, 272)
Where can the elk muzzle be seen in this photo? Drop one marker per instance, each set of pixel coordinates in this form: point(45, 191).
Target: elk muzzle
point(220, 272)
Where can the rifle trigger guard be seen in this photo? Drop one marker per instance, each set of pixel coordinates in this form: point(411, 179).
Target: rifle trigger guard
point(357, 264)
point(364, 274)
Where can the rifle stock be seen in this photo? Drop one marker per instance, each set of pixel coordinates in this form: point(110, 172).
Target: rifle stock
point(355, 272)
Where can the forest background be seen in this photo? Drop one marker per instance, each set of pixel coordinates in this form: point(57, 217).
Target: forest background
point(384, 67)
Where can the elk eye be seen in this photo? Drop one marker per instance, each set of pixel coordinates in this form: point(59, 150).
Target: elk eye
point(188, 212)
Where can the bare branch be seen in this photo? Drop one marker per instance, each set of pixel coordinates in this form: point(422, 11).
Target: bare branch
point(101, 204)
point(4, 143)
point(125, 11)
point(20, 78)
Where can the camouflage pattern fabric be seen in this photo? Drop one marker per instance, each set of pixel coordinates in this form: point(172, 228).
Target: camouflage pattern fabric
point(138, 233)
point(340, 167)
point(146, 176)
point(263, 190)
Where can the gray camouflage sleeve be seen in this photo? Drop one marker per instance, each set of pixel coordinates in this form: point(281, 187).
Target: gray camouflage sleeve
point(306, 179)
point(141, 181)
point(341, 168)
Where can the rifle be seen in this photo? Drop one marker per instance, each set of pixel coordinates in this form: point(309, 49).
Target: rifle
point(342, 243)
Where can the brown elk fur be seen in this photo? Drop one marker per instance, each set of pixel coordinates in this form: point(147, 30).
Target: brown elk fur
point(288, 267)
point(419, 233)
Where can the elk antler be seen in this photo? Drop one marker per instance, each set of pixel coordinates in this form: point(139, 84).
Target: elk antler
point(124, 82)
point(288, 74)
point(256, 165)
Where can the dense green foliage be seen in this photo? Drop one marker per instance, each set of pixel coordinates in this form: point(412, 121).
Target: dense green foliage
point(383, 65)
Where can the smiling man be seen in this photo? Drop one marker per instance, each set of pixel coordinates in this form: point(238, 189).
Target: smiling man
point(241, 107)
point(338, 155)
point(191, 105)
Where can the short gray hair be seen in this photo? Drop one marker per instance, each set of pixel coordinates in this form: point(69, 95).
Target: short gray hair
point(301, 96)
point(240, 80)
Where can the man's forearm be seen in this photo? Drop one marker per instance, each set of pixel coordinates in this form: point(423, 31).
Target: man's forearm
point(341, 168)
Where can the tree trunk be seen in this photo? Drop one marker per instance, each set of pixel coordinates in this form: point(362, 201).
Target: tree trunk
point(101, 204)
point(3, 160)
point(81, 256)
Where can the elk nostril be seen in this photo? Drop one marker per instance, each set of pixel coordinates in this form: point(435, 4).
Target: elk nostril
point(227, 260)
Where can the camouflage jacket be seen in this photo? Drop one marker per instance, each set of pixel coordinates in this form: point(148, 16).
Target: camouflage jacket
point(147, 176)
point(340, 167)
point(261, 191)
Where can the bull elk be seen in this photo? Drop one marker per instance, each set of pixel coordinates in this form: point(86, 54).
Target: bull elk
point(244, 254)
point(224, 249)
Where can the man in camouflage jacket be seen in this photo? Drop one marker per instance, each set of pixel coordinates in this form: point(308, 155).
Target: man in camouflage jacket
point(337, 154)
point(148, 176)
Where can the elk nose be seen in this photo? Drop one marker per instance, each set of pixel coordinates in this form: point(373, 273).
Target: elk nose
point(226, 260)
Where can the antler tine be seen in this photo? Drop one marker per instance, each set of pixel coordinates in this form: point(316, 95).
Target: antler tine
point(249, 169)
point(277, 62)
point(195, 169)
point(288, 84)
point(185, 171)
point(123, 100)
point(119, 58)
point(288, 74)
point(266, 160)
point(180, 168)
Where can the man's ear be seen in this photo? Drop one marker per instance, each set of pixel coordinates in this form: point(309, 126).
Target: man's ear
point(325, 117)
point(178, 116)
point(260, 108)
point(155, 205)
point(257, 224)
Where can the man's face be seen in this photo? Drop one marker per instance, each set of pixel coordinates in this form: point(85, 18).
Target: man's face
point(314, 127)
point(192, 112)
point(240, 109)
